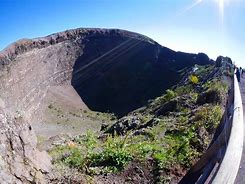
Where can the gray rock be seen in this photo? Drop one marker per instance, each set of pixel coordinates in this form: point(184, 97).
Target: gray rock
point(124, 125)
point(20, 161)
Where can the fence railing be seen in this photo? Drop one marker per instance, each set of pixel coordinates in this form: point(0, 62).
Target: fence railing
point(220, 163)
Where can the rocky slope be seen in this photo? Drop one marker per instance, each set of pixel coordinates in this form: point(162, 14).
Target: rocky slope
point(111, 70)
point(157, 143)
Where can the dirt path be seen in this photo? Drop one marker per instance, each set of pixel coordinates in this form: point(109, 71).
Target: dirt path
point(240, 179)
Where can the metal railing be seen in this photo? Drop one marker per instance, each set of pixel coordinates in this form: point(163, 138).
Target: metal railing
point(220, 163)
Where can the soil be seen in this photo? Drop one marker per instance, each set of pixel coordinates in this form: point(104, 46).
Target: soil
point(135, 172)
point(65, 113)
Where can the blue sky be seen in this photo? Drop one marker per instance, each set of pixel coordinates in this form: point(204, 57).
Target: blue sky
point(182, 25)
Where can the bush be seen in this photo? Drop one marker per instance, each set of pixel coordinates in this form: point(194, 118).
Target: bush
point(114, 154)
point(75, 158)
point(170, 94)
point(209, 116)
point(90, 141)
point(180, 149)
point(117, 158)
point(161, 159)
point(216, 85)
point(214, 92)
point(194, 79)
point(182, 90)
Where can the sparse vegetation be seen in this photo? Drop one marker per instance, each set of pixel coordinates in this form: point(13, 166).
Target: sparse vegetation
point(210, 115)
point(181, 90)
point(169, 95)
point(81, 154)
point(173, 140)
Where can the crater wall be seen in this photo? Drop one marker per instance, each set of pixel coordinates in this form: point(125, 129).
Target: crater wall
point(111, 70)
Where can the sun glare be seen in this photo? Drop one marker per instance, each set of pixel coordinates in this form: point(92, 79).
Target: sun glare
point(221, 4)
point(196, 3)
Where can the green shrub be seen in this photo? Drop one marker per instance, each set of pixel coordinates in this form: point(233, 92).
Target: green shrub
point(144, 149)
point(216, 85)
point(194, 97)
point(182, 119)
point(170, 94)
point(180, 148)
point(209, 116)
point(74, 159)
point(90, 141)
point(182, 90)
point(114, 154)
point(161, 158)
point(204, 70)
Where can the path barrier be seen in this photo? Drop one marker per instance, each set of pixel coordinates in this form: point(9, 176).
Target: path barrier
point(220, 163)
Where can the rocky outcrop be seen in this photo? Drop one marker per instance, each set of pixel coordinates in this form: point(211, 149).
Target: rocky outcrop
point(124, 125)
point(210, 96)
point(20, 161)
point(167, 107)
point(223, 61)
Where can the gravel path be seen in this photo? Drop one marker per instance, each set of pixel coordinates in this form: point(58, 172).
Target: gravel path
point(241, 173)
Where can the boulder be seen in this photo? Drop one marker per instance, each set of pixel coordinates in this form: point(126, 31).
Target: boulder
point(210, 96)
point(167, 107)
point(123, 125)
